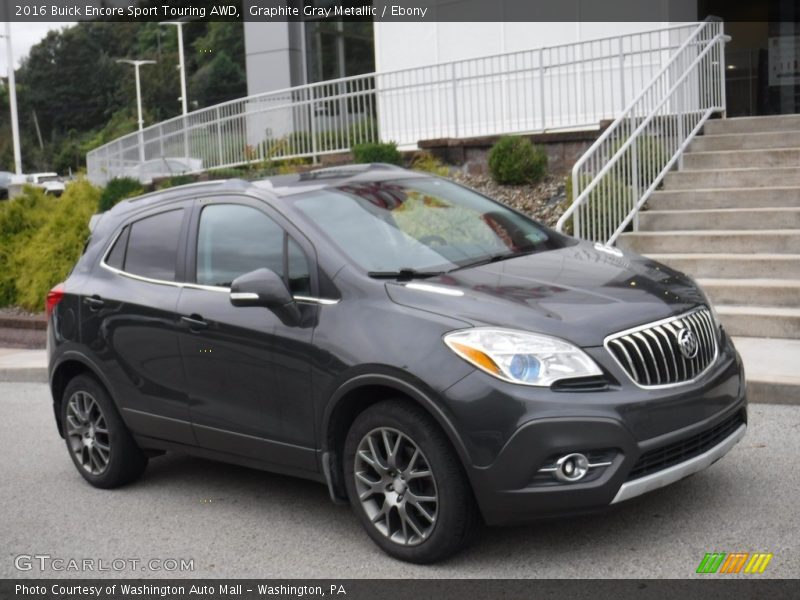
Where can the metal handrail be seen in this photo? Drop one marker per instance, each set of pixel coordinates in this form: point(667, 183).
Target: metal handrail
point(648, 138)
point(566, 86)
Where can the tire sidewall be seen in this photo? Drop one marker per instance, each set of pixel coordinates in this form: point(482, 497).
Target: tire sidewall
point(123, 449)
point(450, 485)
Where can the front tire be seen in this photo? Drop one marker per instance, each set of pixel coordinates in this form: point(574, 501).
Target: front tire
point(99, 443)
point(406, 485)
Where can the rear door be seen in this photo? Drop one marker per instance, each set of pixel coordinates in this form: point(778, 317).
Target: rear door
point(128, 321)
point(248, 373)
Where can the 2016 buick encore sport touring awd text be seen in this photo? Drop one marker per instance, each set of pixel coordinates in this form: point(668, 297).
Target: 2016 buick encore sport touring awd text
point(434, 357)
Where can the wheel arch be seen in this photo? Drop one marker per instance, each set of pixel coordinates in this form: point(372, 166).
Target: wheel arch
point(355, 396)
point(68, 367)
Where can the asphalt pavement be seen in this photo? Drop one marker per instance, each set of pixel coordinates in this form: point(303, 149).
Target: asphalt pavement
point(236, 522)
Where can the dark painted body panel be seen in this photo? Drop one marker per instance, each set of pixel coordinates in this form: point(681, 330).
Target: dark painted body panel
point(135, 337)
point(577, 293)
point(247, 376)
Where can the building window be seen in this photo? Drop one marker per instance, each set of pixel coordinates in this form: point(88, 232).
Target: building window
point(337, 49)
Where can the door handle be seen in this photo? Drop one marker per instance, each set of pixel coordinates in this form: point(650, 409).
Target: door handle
point(94, 302)
point(195, 322)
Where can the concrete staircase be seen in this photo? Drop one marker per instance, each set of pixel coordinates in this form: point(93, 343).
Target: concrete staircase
point(731, 218)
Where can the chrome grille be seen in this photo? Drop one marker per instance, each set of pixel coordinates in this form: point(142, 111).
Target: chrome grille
point(651, 354)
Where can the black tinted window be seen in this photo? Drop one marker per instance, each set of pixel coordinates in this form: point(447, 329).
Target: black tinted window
point(299, 278)
point(116, 258)
point(153, 246)
point(234, 240)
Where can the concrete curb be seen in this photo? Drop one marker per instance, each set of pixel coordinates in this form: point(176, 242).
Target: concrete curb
point(19, 365)
point(773, 392)
point(23, 375)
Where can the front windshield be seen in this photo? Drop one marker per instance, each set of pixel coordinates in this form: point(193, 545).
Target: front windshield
point(423, 224)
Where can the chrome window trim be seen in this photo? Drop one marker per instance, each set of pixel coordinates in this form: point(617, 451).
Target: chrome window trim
point(315, 300)
point(244, 296)
point(669, 321)
point(194, 286)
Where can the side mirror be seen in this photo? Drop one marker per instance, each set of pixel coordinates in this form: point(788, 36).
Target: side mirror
point(262, 287)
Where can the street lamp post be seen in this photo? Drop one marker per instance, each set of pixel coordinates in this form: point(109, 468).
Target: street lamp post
point(12, 100)
point(136, 64)
point(183, 98)
point(181, 63)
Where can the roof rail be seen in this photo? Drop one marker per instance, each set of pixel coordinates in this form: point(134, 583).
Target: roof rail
point(185, 186)
point(344, 170)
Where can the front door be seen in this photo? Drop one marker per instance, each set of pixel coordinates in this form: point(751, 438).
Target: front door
point(248, 373)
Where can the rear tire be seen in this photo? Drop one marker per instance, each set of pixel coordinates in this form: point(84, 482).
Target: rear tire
point(406, 485)
point(99, 443)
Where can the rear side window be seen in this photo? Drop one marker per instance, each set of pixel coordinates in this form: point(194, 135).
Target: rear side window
point(152, 246)
point(298, 273)
point(116, 258)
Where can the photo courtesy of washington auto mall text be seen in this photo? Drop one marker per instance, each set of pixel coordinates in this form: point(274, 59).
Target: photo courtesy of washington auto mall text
point(177, 590)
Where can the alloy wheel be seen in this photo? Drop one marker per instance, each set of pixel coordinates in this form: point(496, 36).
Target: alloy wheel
point(396, 486)
point(87, 432)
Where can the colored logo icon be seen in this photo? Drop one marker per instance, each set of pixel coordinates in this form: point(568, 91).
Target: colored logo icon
point(734, 562)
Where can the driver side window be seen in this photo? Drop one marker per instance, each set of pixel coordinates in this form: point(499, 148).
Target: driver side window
point(234, 239)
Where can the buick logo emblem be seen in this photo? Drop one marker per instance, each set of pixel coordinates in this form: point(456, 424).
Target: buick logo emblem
point(687, 342)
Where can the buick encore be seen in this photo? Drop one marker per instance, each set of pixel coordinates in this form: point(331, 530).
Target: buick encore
point(435, 358)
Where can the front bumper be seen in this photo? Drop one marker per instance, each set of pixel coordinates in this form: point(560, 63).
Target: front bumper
point(647, 448)
point(662, 478)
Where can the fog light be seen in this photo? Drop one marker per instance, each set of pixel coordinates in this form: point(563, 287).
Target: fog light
point(571, 467)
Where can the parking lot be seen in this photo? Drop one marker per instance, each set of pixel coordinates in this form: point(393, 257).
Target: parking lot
point(236, 522)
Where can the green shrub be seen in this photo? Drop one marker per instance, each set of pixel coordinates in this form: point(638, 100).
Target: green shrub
point(227, 173)
point(651, 156)
point(41, 238)
point(515, 160)
point(425, 161)
point(19, 220)
point(175, 180)
point(608, 203)
point(302, 142)
point(290, 166)
point(377, 153)
point(118, 189)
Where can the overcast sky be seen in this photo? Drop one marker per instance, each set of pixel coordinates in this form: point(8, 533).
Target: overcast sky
point(23, 36)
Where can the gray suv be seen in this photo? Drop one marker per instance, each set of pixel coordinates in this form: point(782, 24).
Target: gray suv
point(433, 357)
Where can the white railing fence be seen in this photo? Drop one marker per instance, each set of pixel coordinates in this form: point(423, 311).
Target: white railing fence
point(615, 177)
point(559, 87)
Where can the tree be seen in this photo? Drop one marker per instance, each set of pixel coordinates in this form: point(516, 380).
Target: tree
point(82, 98)
point(214, 82)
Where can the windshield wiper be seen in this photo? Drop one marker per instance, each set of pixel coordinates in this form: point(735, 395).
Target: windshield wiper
point(404, 273)
point(494, 258)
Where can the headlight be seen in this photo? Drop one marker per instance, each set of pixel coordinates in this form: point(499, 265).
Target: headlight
point(521, 357)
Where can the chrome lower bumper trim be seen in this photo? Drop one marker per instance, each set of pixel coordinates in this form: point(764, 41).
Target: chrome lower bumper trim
point(640, 486)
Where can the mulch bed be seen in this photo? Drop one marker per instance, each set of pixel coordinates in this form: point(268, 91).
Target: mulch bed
point(541, 201)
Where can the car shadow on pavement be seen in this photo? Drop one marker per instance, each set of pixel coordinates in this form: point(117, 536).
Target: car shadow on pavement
point(631, 528)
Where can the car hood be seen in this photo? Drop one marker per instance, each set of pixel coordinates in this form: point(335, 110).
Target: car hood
point(580, 293)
